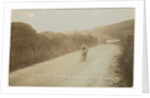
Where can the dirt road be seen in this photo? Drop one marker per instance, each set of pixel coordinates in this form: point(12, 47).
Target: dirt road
point(97, 71)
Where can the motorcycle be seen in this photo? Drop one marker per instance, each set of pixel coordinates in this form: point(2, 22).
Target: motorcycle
point(83, 55)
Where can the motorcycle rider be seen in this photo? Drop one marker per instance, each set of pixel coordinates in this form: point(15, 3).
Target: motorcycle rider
point(84, 50)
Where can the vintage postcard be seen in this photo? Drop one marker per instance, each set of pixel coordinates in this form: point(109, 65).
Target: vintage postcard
point(72, 47)
point(80, 47)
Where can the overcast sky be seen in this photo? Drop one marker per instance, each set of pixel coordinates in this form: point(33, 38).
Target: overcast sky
point(70, 20)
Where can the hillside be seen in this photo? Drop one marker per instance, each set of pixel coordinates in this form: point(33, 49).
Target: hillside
point(119, 30)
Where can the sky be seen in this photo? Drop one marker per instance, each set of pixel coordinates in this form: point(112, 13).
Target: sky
point(68, 20)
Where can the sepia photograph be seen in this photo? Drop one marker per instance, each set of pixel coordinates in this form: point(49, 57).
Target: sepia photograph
point(80, 47)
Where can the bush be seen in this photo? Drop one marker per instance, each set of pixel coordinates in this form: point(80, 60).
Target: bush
point(126, 61)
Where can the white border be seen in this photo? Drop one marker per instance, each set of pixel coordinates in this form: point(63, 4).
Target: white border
point(138, 55)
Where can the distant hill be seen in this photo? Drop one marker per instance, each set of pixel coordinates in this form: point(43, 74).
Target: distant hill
point(124, 28)
point(118, 30)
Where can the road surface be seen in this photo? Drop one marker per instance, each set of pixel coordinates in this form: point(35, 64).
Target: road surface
point(97, 71)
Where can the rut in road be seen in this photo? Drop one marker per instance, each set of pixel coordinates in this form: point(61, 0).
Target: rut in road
point(97, 71)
